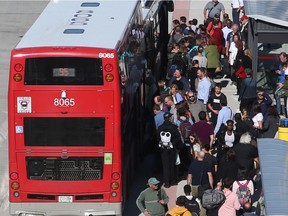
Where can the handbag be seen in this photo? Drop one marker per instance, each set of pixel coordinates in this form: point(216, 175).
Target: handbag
point(280, 92)
point(160, 197)
point(200, 188)
point(233, 77)
point(178, 161)
point(200, 191)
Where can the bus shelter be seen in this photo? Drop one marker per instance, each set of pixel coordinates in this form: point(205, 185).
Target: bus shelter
point(267, 37)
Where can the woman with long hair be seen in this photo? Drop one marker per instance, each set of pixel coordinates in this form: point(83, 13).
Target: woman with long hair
point(271, 124)
point(175, 93)
point(258, 117)
point(195, 145)
point(228, 167)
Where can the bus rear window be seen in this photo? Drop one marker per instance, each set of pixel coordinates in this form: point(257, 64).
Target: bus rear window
point(64, 131)
point(63, 71)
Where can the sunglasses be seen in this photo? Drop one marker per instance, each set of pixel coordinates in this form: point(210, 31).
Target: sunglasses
point(191, 96)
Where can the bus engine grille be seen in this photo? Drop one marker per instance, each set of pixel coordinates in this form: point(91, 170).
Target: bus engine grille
point(64, 169)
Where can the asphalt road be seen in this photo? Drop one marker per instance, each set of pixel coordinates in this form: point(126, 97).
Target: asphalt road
point(16, 18)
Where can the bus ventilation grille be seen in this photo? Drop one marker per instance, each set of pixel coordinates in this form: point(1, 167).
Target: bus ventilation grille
point(59, 169)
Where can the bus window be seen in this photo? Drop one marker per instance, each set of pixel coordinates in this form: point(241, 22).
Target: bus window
point(64, 131)
point(63, 71)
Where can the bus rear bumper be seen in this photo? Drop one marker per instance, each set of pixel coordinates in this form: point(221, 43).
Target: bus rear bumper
point(64, 209)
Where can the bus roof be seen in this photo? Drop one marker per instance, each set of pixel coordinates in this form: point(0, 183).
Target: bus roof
point(60, 24)
point(274, 171)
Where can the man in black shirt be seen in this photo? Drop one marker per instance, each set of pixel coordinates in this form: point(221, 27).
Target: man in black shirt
point(213, 103)
point(199, 173)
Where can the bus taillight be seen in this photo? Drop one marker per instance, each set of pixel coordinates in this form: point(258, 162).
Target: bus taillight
point(18, 67)
point(115, 176)
point(108, 67)
point(17, 77)
point(16, 194)
point(14, 176)
point(115, 185)
point(109, 77)
point(15, 185)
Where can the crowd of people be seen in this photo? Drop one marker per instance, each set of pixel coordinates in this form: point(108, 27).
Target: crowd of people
point(199, 137)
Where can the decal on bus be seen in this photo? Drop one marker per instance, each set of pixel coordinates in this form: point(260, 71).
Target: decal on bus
point(106, 55)
point(24, 105)
point(64, 102)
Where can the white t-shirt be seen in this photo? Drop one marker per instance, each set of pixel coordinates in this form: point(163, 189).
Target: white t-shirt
point(229, 139)
point(201, 59)
point(196, 148)
point(233, 52)
point(257, 118)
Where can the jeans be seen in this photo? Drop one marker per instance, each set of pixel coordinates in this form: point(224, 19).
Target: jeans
point(278, 104)
point(235, 16)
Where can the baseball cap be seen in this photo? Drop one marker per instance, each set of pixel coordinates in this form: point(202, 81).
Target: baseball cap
point(167, 115)
point(243, 17)
point(153, 181)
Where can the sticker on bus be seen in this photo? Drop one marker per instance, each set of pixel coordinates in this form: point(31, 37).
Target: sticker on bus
point(107, 158)
point(24, 105)
point(19, 129)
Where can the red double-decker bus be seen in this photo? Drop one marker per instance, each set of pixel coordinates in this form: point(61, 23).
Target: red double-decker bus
point(76, 108)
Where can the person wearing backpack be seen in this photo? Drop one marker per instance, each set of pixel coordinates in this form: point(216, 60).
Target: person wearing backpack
point(179, 209)
point(243, 187)
point(169, 143)
point(231, 204)
point(184, 124)
point(192, 203)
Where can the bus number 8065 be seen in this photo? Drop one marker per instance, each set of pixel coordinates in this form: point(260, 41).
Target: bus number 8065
point(64, 102)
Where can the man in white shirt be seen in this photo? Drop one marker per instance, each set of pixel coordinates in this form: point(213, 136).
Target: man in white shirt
point(226, 30)
point(237, 6)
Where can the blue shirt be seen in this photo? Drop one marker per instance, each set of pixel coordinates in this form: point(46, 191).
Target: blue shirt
point(184, 118)
point(224, 115)
point(159, 119)
point(281, 77)
point(204, 89)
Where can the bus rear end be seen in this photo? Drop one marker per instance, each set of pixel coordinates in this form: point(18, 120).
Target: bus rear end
point(64, 132)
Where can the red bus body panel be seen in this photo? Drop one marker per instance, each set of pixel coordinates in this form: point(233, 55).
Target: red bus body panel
point(90, 101)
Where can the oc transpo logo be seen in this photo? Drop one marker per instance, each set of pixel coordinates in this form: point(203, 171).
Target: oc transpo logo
point(24, 105)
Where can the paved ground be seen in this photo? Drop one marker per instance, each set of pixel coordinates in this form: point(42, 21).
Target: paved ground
point(194, 8)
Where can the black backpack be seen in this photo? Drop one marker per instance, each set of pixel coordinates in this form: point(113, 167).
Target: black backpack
point(213, 198)
point(192, 205)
